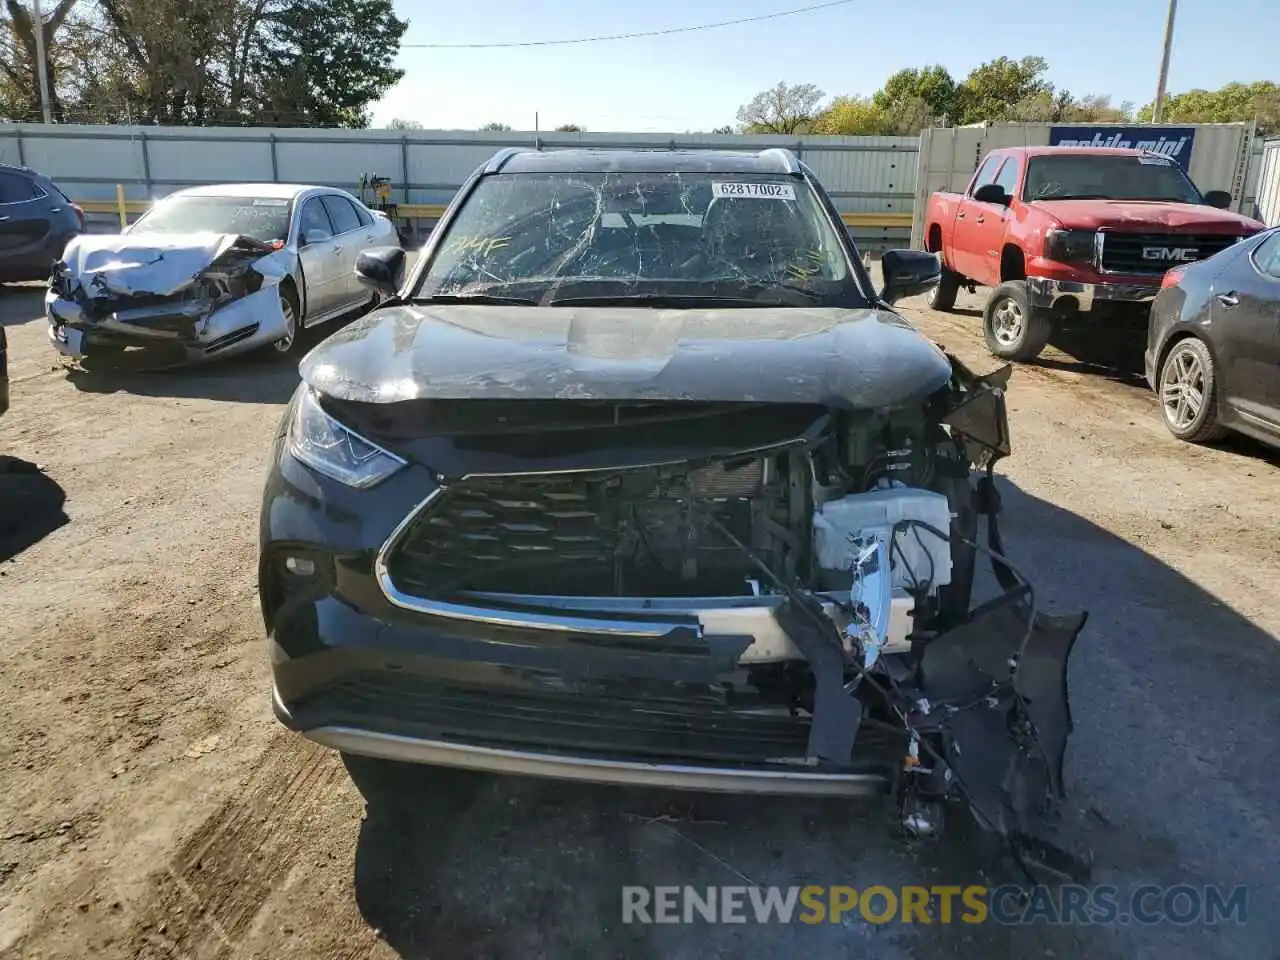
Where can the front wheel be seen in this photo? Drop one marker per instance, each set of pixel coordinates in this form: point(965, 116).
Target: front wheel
point(1012, 328)
point(287, 345)
point(942, 295)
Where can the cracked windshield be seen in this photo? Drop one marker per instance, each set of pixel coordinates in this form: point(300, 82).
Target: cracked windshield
point(673, 237)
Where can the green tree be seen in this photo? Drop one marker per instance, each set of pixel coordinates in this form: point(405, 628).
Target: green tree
point(494, 126)
point(781, 109)
point(1259, 101)
point(328, 61)
point(398, 124)
point(282, 62)
point(19, 75)
point(912, 99)
point(850, 117)
point(993, 90)
point(570, 128)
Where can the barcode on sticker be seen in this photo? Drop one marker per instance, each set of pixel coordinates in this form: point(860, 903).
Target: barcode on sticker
point(759, 191)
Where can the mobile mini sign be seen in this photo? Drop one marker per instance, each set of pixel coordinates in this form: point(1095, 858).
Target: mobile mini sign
point(1172, 142)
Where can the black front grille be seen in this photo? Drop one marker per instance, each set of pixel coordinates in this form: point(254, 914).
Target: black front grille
point(1154, 253)
point(583, 533)
point(617, 722)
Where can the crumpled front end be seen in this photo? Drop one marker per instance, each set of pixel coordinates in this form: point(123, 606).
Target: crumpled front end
point(178, 298)
point(738, 596)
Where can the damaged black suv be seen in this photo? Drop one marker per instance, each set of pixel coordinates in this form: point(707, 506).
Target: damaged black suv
point(636, 479)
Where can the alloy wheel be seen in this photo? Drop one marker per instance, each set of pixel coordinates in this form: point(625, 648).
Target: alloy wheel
point(1182, 389)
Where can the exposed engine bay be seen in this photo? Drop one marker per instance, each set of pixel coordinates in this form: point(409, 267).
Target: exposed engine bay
point(184, 297)
point(835, 559)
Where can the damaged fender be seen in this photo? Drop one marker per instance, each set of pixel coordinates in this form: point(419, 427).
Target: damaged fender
point(199, 294)
point(1002, 680)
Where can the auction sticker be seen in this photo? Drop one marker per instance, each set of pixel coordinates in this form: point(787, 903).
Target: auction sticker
point(758, 191)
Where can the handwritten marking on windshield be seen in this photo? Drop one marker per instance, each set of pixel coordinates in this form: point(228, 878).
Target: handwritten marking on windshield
point(480, 245)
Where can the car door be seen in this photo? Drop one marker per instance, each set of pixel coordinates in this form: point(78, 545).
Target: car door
point(349, 236)
point(319, 256)
point(966, 243)
point(1246, 313)
point(990, 220)
point(24, 215)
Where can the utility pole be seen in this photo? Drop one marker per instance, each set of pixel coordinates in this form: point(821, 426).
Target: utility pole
point(1157, 111)
point(42, 68)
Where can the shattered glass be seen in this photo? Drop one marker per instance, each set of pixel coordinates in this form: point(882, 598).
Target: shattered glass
point(645, 237)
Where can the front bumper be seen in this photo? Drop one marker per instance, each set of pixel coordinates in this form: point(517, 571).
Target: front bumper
point(559, 766)
point(176, 331)
point(708, 704)
point(1053, 294)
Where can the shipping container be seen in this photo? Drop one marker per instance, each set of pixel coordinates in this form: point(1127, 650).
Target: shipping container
point(1216, 155)
point(1269, 184)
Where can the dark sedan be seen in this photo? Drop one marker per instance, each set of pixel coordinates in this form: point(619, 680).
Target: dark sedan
point(637, 479)
point(1213, 344)
point(37, 221)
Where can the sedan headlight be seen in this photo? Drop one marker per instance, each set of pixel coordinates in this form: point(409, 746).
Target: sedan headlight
point(1069, 246)
point(327, 447)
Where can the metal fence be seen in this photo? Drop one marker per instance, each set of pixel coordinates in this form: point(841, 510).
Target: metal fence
point(871, 179)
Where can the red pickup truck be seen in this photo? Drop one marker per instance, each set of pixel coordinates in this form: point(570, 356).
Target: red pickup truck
point(1061, 233)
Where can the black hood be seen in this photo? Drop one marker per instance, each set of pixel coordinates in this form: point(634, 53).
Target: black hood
point(837, 357)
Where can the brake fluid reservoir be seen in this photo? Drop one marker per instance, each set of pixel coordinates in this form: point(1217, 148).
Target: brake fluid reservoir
point(842, 528)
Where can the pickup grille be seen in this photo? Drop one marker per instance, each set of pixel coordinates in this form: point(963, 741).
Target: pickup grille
point(1154, 253)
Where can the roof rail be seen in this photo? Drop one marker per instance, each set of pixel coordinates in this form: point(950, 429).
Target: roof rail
point(499, 159)
point(784, 157)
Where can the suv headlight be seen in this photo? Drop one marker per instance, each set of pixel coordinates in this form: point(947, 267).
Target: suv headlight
point(327, 447)
point(1069, 246)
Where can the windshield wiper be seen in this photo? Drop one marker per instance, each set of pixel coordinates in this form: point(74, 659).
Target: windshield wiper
point(475, 298)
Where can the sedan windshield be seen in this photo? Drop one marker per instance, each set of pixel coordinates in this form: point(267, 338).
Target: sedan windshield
point(1103, 177)
point(658, 238)
point(260, 218)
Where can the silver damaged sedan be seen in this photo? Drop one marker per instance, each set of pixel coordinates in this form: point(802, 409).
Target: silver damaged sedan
point(212, 271)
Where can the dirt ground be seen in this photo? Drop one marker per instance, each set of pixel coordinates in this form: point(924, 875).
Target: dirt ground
point(151, 807)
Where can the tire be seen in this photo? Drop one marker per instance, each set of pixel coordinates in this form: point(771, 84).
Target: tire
point(1012, 329)
point(942, 296)
point(1187, 391)
point(289, 346)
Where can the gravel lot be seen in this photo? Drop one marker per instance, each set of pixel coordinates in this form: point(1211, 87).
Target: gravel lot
point(152, 807)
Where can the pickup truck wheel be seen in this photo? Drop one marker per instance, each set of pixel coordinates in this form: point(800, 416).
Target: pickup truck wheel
point(1012, 329)
point(942, 296)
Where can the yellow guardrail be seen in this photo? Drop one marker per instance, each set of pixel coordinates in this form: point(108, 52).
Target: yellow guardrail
point(110, 206)
point(433, 211)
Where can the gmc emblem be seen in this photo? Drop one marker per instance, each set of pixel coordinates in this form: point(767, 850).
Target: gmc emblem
point(1173, 254)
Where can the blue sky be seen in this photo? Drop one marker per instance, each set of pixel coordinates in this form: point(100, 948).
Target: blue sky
point(697, 81)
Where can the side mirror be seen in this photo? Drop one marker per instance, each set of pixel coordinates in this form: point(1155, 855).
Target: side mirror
point(991, 193)
point(1218, 198)
point(381, 268)
point(314, 236)
point(908, 273)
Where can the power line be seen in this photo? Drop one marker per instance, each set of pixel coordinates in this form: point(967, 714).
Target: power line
point(628, 36)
